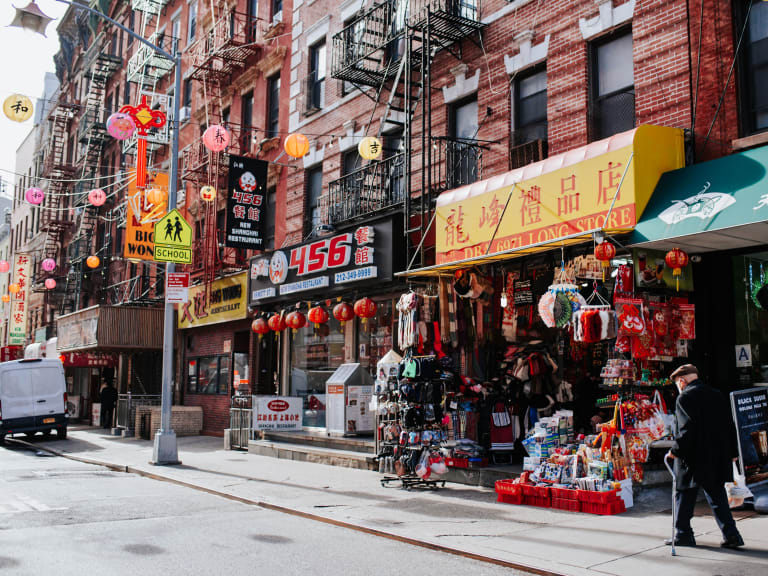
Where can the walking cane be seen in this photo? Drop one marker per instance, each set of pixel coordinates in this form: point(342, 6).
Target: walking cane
point(667, 459)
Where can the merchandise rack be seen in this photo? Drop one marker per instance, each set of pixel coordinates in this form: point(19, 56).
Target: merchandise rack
point(410, 481)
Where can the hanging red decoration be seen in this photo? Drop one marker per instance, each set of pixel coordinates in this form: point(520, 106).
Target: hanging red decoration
point(260, 327)
point(604, 252)
point(318, 315)
point(277, 323)
point(295, 320)
point(144, 118)
point(343, 312)
point(365, 308)
point(677, 260)
point(216, 138)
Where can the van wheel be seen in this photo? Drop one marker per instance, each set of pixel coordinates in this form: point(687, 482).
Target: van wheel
point(61, 433)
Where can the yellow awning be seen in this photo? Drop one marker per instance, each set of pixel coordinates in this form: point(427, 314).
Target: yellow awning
point(603, 186)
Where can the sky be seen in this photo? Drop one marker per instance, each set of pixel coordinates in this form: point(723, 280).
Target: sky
point(26, 57)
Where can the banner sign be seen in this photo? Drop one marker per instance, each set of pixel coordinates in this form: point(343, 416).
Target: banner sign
point(363, 254)
point(17, 331)
point(141, 216)
point(88, 359)
point(11, 353)
point(224, 302)
point(750, 414)
point(277, 413)
point(246, 201)
point(78, 330)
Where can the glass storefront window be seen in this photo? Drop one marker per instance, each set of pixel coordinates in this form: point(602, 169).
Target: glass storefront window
point(374, 337)
point(208, 375)
point(750, 273)
point(242, 368)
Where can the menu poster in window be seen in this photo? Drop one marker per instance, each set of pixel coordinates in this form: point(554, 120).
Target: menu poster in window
point(246, 202)
point(750, 414)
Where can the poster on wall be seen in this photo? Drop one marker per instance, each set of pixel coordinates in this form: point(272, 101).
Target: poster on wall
point(277, 413)
point(246, 202)
point(750, 414)
point(651, 271)
point(17, 330)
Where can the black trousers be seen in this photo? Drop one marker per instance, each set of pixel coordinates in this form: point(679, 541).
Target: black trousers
point(685, 501)
point(106, 416)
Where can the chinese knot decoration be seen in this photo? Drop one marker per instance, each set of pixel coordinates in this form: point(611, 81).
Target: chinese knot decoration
point(318, 315)
point(295, 320)
point(260, 327)
point(296, 145)
point(604, 252)
point(49, 264)
point(277, 323)
point(216, 138)
point(34, 195)
point(144, 118)
point(677, 260)
point(343, 312)
point(97, 197)
point(365, 308)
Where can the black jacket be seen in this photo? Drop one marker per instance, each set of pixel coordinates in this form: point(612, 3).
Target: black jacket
point(108, 397)
point(705, 438)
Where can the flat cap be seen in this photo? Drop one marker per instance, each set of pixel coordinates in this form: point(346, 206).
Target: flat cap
point(683, 370)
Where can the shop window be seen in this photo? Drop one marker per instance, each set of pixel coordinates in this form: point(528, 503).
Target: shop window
point(613, 87)
point(750, 274)
point(530, 108)
point(374, 337)
point(754, 69)
point(314, 184)
point(241, 369)
point(208, 375)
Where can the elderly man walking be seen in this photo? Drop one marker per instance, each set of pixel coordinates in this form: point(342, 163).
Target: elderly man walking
point(705, 444)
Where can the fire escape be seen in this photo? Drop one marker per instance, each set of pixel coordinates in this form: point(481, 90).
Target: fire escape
point(98, 66)
point(223, 51)
point(387, 53)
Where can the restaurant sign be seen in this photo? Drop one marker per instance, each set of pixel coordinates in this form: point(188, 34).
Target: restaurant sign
point(224, 302)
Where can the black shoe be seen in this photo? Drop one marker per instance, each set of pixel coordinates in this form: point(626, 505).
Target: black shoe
point(681, 541)
point(734, 542)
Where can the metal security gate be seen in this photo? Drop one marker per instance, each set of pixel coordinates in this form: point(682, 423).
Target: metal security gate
point(240, 422)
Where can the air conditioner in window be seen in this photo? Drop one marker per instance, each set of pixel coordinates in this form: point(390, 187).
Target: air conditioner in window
point(185, 113)
point(277, 18)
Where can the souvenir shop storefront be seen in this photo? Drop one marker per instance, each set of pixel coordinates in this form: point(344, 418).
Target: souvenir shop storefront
point(324, 303)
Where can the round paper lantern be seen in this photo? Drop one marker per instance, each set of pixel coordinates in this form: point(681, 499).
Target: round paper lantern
point(369, 147)
point(295, 320)
point(604, 252)
point(92, 261)
point(318, 315)
point(677, 260)
point(6, 298)
point(296, 145)
point(365, 308)
point(120, 126)
point(208, 193)
point(277, 323)
point(260, 327)
point(34, 195)
point(216, 138)
point(18, 107)
point(157, 196)
point(97, 197)
point(343, 312)
point(13, 288)
point(4, 266)
point(50, 283)
point(49, 264)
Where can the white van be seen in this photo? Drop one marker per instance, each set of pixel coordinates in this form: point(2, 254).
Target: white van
point(33, 397)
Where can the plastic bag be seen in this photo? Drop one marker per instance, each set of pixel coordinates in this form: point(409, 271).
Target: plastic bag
point(737, 490)
point(423, 468)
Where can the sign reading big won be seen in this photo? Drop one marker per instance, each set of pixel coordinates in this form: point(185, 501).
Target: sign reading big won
point(246, 201)
point(334, 264)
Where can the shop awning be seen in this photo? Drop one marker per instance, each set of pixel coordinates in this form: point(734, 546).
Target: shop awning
point(717, 205)
point(110, 328)
point(603, 186)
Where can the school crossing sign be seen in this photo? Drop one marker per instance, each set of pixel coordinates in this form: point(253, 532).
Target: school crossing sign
point(173, 239)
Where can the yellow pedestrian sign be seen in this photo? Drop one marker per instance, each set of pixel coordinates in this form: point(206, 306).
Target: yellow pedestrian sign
point(173, 239)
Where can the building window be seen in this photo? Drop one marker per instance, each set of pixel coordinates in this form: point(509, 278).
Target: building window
point(192, 22)
point(316, 88)
point(269, 224)
point(462, 151)
point(208, 375)
point(187, 100)
point(175, 34)
point(314, 184)
point(246, 111)
point(754, 70)
point(277, 9)
point(273, 106)
point(530, 108)
point(613, 87)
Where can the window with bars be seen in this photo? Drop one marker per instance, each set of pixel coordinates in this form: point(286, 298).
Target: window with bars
point(313, 179)
point(753, 66)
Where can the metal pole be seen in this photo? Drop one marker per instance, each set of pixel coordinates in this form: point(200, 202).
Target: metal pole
point(165, 449)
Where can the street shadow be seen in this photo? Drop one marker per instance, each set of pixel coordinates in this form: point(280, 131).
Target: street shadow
point(271, 539)
point(143, 549)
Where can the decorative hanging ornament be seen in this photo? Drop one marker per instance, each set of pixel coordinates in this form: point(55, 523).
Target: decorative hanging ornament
point(121, 126)
point(18, 108)
point(365, 308)
point(260, 326)
point(6, 298)
point(93, 261)
point(4, 266)
point(97, 197)
point(49, 264)
point(13, 288)
point(277, 323)
point(369, 147)
point(216, 138)
point(318, 315)
point(157, 196)
point(343, 312)
point(144, 118)
point(605, 251)
point(208, 193)
point(295, 320)
point(50, 283)
point(677, 260)
point(34, 195)
point(296, 145)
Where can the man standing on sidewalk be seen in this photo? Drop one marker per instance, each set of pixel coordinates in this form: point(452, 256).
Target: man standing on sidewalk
point(705, 444)
point(108, 399)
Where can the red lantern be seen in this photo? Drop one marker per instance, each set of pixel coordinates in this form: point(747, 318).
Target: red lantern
point(295, 320)
point(277, 323)
point(343, 312)
point(677, 260)
point(260, 327)
point(318, 315)
point(604, 252)
point(365, 308)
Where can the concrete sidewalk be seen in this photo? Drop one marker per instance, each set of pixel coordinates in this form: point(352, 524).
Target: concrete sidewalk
point(457, 518)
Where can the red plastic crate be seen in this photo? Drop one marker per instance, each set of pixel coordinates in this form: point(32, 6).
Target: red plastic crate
point(594, 497)
point(509, 498)
point(566, 504)
point(509, 487)
point(535, 491)
point(457, 462)
point(541, 502)
point(564, 493)
point(606, 509)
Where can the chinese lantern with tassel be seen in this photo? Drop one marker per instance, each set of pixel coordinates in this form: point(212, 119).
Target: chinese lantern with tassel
point(604, 252)
point(343, 312)
point(295, 320)
point(677, 260)
point(365, 308)
point(260, 326)
point(318, 315)
point(277, 323)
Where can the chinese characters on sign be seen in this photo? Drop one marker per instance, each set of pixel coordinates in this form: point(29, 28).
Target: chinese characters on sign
point(17, 333)
point(141, 216)
point(277, 413)
point(246, 201)
point(225, 301)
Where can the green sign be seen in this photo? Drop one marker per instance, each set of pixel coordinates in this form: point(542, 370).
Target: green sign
point(173, 239)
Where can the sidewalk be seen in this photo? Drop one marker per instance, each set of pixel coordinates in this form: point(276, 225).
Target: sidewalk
point(458, 518)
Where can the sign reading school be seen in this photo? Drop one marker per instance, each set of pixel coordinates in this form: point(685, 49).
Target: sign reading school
point(173, 239)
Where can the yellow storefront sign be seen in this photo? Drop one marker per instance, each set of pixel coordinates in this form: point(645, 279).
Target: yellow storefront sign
point(560, 198)
point(225, 301)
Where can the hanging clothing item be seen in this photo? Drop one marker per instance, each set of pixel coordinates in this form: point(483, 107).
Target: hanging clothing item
point(445, 333)
point(509, 318)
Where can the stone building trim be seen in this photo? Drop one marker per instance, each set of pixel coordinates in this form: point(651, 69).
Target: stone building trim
point(528, 54)
point(608, 17)
point(463, 86)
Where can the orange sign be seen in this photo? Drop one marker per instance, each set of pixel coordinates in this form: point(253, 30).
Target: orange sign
point(141, 216)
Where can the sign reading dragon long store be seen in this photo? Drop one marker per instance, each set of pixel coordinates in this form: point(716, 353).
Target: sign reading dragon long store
point(332, 264)
point(560, 197)
point(224, 302)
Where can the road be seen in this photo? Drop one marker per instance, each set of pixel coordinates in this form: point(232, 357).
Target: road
point(61, 517)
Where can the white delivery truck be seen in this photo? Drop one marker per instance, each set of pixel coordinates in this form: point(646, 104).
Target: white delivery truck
point(33, 397)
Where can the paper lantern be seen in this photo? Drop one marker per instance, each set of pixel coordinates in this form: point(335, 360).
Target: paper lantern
point(318, 315)
point(604, 252)
point(97, 197)
point(50, 283)
point(216, 138)
point(365, 308)
point(208, 193)
point(18, 107)
point(677, 260)
point(157, 196)
point(369, 147)
point(13, 288)
point(4, 266)
point(120, 126)
point(49, 264)
point(92, 261)
point(260, 327)
point(295, 320)
point(34, 195)
point(343, 312)
point(296, 145)
point(277, 323)
point(6, 298)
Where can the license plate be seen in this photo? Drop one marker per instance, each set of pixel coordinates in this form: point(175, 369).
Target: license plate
point(49, 420)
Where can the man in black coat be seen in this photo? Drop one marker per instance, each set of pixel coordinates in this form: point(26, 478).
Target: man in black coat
point(108, 399)
point(705, 445)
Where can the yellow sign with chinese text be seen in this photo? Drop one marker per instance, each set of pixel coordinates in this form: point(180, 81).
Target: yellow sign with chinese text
point(560, 203)
point(225, 301)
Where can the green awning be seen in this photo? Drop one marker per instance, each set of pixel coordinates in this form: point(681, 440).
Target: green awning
point(717, 205)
